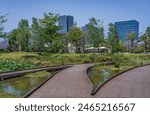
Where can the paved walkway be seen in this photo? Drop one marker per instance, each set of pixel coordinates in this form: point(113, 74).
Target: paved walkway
point(69, 83)
point(132, 84)
point(72, 83)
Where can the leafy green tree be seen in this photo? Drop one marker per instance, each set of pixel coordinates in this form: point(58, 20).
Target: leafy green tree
point(50, 30)
point(2, 21)
point(144, 39)
point(23, 35)
point(148, 37)
point(95, 32)
point(113, 39)
point(75, 36)
point(37, 34)
point(131, 38)
point(13, 44)
point(64, 41)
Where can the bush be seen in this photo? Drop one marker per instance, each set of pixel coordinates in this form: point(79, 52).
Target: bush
point(9, 65)
point(117, 65)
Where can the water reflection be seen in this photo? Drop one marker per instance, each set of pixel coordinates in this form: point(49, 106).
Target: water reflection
point(99, 76)
point(18, 86)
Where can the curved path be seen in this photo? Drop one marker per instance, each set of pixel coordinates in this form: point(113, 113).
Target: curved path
point(132, 84)
point(69, 83)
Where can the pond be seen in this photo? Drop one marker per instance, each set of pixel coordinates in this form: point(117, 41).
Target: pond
point(18, 87)
point(99, 76)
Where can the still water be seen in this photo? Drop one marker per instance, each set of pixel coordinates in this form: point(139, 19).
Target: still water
point(17, 87)
point(99, 76)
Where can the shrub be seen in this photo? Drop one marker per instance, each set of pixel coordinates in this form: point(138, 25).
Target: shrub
point(117, 65)
point(9, 65)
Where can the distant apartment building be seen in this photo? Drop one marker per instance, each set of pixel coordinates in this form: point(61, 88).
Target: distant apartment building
point(66, 23)
point(125, 27)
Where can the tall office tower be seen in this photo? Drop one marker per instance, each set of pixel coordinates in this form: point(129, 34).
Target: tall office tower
point(66, 22)
point(123, 28)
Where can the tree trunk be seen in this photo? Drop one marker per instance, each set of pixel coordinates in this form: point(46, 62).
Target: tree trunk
point(19, 48)
point(131, 46)
point(98, 50)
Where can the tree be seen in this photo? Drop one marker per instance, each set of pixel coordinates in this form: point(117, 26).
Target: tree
point(95, 32)
point(23, 35)
point(144, 39)
point(75, 36)
point(131, 38)
point(148, 37)
point(38, 40)
point(13, 44)
point(2, 21)
point(50, 31)
point(113, 39)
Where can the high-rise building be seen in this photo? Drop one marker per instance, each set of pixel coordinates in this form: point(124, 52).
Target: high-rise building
point(123, 28)
point(65, 22)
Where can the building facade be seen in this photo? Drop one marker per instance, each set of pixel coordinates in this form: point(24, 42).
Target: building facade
point(66, 23)
point(123, 28)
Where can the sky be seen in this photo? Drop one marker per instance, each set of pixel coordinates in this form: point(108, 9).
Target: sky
point(105, 10)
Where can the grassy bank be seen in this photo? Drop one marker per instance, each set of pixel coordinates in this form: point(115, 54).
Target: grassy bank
point(101, 73)
point(11, 61)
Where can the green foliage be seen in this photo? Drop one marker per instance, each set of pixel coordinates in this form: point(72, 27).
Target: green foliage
point(139, 49)
point(113, 39)
point(117, 65)
point(9, 65)
point(42, 36)
point(131, 38)
point(37, 34)
point(50, 31)
point(19, 38)
point(75, 35)
point(13, 42)
point(95, 32)
point(2, 21)
point(146, 39)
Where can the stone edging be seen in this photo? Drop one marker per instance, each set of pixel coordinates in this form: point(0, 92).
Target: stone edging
point(100, 86)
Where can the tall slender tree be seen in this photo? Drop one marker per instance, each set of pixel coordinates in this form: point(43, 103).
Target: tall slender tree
point(113, 39)
point(95, 32)
point(144, 39)
point(38, 40)
point(148, 38)
point(2, 21)
point(23, 35)
point(13, 44)
point(131, 38)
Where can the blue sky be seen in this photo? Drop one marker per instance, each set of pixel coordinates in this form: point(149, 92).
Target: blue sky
point(105, 10)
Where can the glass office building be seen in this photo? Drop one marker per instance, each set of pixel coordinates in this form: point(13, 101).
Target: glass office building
point(66, 22)
point(125, 27)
